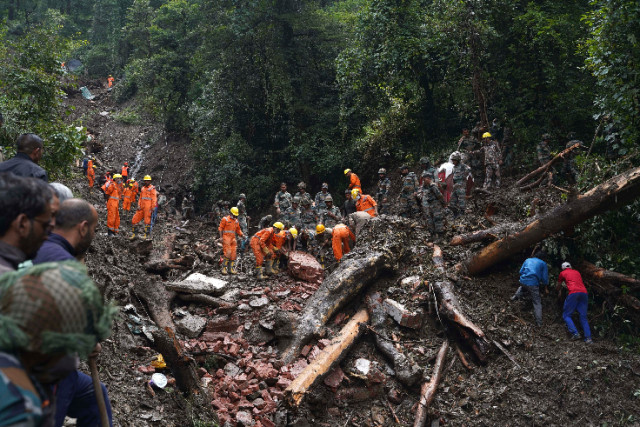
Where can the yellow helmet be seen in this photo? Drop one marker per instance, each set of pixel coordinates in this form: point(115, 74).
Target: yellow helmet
point(147, 178)
point(116, 176)
point(279, 225)
point(354, 193)
point(293, 232)
point(346, 171)
point(486, 135)
point(319, 228)
point(234, 210)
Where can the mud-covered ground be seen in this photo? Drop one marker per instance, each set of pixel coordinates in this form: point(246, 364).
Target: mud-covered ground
point(551, 380)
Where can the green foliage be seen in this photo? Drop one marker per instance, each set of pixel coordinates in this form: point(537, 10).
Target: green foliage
point(129, 116)
point(31, 94)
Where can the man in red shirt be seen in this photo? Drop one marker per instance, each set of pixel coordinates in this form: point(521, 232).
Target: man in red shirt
point(576, 301)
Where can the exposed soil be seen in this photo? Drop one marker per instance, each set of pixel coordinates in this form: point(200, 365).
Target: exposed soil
point(551, 380)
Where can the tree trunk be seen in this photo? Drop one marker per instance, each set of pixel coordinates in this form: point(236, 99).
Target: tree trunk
point(480, 235)
point(597, 274)
point(612, 194)
point(428, 390)
point(331, 355)
point(334, 293)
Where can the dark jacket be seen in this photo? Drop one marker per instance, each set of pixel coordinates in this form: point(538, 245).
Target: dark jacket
point(22, 165)
point(348, 207)
point(55, 248)
point(10, 258)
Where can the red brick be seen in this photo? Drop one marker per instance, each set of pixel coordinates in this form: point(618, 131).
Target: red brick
point(323, 343)
point(305, 350)
point(266, 422)
point(213, 336)
point(146, 369)
point(334, 379)
point(314, 353)
point(234, 396)
point(283, 383)
point(298, 367)
point(245, 404)
point(224, 325)
point(233, 349)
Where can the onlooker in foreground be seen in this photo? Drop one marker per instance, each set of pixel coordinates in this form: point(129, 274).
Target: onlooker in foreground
point(30, 149)
point(25, 219)
point(576, 301)
point(49, 314)
point(533, 274)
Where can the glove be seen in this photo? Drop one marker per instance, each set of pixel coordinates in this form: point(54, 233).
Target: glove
point(266, 251)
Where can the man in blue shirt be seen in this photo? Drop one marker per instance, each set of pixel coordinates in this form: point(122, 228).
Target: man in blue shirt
point(533, 274)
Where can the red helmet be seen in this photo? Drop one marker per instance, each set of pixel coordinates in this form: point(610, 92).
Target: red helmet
point(126, 163)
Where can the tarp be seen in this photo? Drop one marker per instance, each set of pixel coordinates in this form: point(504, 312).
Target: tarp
point(73, 65)
point(86, 93)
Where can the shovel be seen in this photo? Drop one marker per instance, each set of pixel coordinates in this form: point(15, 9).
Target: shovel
point(102, 407)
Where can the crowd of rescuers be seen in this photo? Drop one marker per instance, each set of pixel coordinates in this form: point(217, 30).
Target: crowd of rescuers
point(315, 224)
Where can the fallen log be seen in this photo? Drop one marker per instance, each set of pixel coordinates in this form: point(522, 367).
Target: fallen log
point(614, 193)
point(428, 390)
point(158, 300)
point(481, 235)
point(547, 165)
point(406, 372)
point(592, 272)
point(207, 300)
point(162, 266)
point(182, 367)
point(449, 307)
point(327, 358)
point(351, 277)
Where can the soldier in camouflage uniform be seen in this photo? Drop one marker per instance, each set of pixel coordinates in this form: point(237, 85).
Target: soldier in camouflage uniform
point(302, 193)
point(408, 192)
point(321, 198)
point(432, 205)
point(243, 220)
point(282, 200)
point(460, 173)
point(427, 169)
point(291, 216)
point(265, 221)
point(569, 166)
point(492, 160)
point(331, 215)
point(467, 146)
point(308, 216)
point(382, 195)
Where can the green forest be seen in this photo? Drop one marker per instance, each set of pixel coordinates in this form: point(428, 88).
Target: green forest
point(305, 89)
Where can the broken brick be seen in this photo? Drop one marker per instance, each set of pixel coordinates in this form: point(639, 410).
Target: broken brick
point(334, 378)
point(283, 383)
point(401, 315)
point(305, 350)
point(146, 369)
point(323, 343)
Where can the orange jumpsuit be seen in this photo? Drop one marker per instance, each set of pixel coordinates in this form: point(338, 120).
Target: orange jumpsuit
point(263, 239)
point(121, 187)
point(340, 240)
point(230, 227)
point(113, 213)
point(367, 204)
point(354, 182)
point(136, 190)
point(129, 198)
point(110, 83)
point(91, 173)
point(147, 202)
point(125, 172)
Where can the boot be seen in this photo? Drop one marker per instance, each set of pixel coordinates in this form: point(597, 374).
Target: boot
point(259, 274)
point(269, 270)
point(146, 231)
point(233, 268)
point(133, 233)
point(225, 265)
point(109, 233)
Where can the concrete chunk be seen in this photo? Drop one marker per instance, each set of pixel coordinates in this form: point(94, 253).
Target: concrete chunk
point(401, 315)
point(191, 326)
point(197, 283)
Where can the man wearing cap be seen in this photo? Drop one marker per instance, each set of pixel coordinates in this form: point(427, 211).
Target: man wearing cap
point(50, 314)
point(321, 198)
point(303, 195)
point(112, 190)
point(331, 215)
point(146, 204)
point(282, 200)
point(229, 230)
point(460, 175)
point(308, 215)
point(577, 300)
point(291, 215)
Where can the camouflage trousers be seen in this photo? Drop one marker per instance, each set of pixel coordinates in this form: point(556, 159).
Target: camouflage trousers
point(434, 216)
point(458, 201)
point(383, 206)
point(408, 206)
point(570, 172)
point(491, 171)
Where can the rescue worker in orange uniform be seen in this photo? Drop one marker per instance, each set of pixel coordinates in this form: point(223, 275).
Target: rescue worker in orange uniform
point(125, 171)
point(110, 80)
point(364, 203)
point(136, 188)
point(262, 244)
point(112, 190)
point(283, 242)
point(229, 228)
point(354, 181)
point(146, 204)
point(91, 173)
point(340, 235)
point(129, 196)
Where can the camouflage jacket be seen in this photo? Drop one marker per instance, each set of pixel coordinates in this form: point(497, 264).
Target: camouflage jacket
point(321, 205)
point(409, 184)
point(292, 215)
point(569, 157)
point(460, 173)
point(384, 185)
point(467, 143)
point(306, 196)
point(543, 152)
point(282, 200)
point(309, 218)
point(431, 193)
point(327, 219)
point(492, 153)
point(428, 172)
